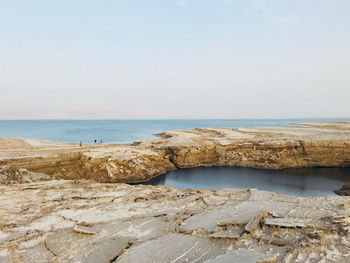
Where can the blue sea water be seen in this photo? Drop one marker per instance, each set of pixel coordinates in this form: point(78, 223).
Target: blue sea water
point(123, 131)
point(300, 182)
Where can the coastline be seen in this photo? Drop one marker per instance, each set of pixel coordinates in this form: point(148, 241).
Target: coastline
point(90, 219)
point(306, 145)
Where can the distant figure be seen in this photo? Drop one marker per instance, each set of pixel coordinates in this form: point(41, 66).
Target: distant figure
point(81, 143)
point(101, 141)
point(95, 141)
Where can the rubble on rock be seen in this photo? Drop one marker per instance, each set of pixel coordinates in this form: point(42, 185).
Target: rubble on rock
point(12, 175)
point(82, 221)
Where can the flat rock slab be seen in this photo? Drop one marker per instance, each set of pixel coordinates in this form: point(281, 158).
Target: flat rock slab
point(82, 221)
point(227, 234)
point(243, 256)
point(173, 248)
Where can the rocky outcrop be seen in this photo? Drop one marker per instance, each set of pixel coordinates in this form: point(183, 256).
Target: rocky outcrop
point(345, 190)
point(86, 221)
point(310, 145)
point(11, 175)
point(83, 221)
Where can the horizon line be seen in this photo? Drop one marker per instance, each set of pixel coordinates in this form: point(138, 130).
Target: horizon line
point(91, 119)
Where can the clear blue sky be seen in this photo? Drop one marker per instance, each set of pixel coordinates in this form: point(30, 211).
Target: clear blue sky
point(174, 59)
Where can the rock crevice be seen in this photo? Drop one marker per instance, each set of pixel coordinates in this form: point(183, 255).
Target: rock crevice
point(123, 223)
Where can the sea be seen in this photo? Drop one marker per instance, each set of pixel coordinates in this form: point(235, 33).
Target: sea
point(124, 131)
point(299, 182)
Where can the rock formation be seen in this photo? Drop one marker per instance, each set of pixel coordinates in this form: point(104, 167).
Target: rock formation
point(91, 221)
point(345, 190)
point(82, 221)
point(310, 145)
point(12, 175)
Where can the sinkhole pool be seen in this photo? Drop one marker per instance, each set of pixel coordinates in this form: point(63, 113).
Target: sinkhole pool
point(303, 182)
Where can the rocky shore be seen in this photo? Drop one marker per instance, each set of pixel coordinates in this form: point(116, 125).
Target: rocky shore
point(85, 218)
point(310, 145)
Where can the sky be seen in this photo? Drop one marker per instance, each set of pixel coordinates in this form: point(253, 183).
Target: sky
point(87, 59)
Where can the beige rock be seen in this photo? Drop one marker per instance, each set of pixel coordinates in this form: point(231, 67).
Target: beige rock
point(242, 255)
point(89, 221)
point(316, 144)
point(46, 221)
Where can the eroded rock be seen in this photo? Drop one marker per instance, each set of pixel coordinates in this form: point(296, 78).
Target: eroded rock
point(86, 221)
point(345, 190)
point(173, 248)
point(242, 255)
point(317, 144)
point(81, 221)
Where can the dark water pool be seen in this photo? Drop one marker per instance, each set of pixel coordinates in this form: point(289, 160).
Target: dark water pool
point(299, 182)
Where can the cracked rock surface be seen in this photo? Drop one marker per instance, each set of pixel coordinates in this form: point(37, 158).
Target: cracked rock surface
point(84, 221)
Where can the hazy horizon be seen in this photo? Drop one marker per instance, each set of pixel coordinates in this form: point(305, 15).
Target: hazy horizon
point(145, 119)
point(175, 59)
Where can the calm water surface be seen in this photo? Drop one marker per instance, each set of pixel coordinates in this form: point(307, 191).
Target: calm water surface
point(122, 131)
point(299, 182)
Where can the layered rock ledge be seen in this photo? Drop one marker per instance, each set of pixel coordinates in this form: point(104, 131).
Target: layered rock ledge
point(309, 145)
point(82, 221)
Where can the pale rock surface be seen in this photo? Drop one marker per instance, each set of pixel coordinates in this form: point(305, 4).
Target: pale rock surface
point(83, 221)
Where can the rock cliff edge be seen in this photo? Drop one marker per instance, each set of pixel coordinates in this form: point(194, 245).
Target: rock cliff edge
point(309, 145)
point(46, 219)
